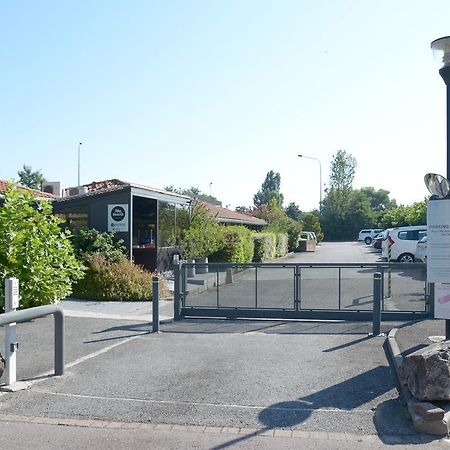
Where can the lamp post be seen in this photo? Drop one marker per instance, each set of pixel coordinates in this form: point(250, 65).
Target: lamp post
point(79, 147)
point(441, 49)
point(320, 177)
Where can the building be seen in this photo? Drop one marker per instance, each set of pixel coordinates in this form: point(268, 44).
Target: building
point(147, 219)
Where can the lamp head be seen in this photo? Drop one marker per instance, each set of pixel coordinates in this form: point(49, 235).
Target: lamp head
point(441, 50)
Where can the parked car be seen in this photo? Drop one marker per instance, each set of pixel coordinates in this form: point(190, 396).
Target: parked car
point(402, 241)
point(421, 250)
point(367, 235)
point(377, 240)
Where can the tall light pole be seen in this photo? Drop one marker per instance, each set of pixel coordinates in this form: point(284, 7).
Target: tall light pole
point(320, 176)
point(441, 48)
point(79, 148)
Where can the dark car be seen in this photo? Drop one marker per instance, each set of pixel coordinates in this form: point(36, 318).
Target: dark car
point(377, 241)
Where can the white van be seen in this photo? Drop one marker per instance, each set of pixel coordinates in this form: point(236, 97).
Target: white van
point(403, 242)
point(368, 234)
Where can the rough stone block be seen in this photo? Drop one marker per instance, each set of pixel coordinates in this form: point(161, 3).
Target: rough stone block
point(428, 411)
point(426, 372)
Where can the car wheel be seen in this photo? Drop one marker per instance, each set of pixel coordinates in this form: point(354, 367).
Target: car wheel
point(406, 258)
point(368, 240)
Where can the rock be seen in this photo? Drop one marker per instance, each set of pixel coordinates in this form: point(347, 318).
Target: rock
point(426, 372)
point(428, 411)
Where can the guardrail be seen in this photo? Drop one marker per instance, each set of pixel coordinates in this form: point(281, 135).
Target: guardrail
point(34, 313)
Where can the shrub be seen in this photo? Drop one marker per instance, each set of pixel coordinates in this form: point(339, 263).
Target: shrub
point(237, 245)
point(265, 245)
point(109, 280)
point(204, 235)
point(282, 244)
point(34, 249)
point(89, 242)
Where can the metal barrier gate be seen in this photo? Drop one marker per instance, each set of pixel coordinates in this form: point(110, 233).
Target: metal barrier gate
point(321, 291)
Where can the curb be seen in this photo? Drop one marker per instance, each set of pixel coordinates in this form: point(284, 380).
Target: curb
point(423, 414)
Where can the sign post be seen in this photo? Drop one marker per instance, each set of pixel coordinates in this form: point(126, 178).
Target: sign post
point(438, 257)
point(11, 345)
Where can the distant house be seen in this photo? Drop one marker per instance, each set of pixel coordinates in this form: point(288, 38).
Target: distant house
point(34, 192)
point(228, 217)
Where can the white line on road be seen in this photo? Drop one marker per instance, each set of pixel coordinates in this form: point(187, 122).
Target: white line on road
point(219, 405)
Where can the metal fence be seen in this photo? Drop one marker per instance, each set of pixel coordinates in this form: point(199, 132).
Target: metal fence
point(298, 290)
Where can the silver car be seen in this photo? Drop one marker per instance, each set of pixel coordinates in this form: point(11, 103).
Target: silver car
point(421, 250)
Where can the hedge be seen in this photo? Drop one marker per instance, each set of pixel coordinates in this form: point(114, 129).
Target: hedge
point(282, 244)
point(265, 246)
point(109, 280)
point(237, 246)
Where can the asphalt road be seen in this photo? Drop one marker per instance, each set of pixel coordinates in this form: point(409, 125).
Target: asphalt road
point(319, 288)
point(200, 381)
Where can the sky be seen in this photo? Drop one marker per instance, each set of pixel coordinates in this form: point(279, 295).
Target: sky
point(214, 94)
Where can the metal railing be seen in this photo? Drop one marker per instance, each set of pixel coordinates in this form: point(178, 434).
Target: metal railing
point(294, 289)
point(41, 311)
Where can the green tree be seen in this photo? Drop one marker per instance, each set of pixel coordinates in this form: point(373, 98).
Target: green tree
point(293, 211)
point(311, 222)
point(203, 236)
point(30, 178)
point(342, 171)
point(379, 199)
point(34, 249)
point(344, 210)
point(270, 191)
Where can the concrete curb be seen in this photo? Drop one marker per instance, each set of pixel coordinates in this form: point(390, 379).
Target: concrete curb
point(426, 417)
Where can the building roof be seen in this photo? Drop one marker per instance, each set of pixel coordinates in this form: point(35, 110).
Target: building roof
point(36, 193)
point(114, 184)
point(225, 215)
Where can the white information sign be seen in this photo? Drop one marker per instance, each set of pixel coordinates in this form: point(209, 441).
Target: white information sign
point(442, 301)
point(438, 241)
point(118, 218)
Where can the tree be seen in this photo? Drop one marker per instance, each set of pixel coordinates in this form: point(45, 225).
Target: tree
point(311, 223)
point(379, 200)
point(270, 191)
point(30, 178)
point(34, 249)
point(204, 235)
point(293, 211)
point(342, 172)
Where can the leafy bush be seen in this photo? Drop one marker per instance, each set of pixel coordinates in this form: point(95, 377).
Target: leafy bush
point(34, 249)
point(282, 244)
point(88, 242)
point(265, 245)
point(109, 280)
point(204, 235)
point(311, 223)
point(237, 245)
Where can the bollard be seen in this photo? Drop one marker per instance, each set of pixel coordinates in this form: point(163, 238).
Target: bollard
point(176, 290)
point(377, 294)
point(155, 304)
point(11, 345)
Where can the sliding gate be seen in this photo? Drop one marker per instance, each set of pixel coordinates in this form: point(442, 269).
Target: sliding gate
point(322, 291)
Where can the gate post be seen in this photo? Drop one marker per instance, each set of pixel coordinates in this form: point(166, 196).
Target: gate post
point(176, 288)
point(377, 294)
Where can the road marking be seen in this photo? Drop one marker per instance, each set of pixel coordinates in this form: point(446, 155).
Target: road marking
point(220, 405)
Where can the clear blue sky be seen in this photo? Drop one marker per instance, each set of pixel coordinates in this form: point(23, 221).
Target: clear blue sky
point(192, 92)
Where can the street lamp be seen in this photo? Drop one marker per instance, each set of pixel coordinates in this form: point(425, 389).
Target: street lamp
point(320, 176)
point(79, 147)
point(441, 49)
